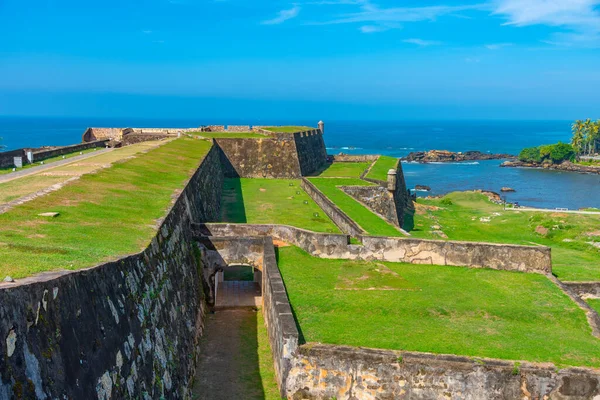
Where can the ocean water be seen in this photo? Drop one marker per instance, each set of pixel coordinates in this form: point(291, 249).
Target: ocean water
point(537, 188)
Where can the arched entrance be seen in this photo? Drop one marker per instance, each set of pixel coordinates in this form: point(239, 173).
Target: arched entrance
point(238, 285)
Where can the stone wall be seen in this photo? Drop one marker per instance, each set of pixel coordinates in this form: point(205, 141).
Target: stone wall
point(585, 289)
point(260, 158)
point(326, 372)
point(344, 222)
point(93, 134)
point(58, 151)
point(377, 199)
point(532, 259)
point(353, 158)
point(312, 154)
point(133, 138)
point(123, 329)
point(7, 158)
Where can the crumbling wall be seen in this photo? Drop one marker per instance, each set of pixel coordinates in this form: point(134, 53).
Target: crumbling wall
point(123, 329)
point(326, 372)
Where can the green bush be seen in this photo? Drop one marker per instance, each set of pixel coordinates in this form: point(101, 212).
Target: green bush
point(446, 201)
point(555, 153)
point(530, 154)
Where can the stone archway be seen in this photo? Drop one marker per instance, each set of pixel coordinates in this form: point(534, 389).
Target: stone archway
point(238, 285)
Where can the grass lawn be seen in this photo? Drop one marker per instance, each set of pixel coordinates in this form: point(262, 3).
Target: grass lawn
point(381, 168)
point(595, 303)
point(345, 169)
point(573, 258)
point(288, 129)
point(50, 160)
point(439, 309)
point(370, 222)
point(272, 201)
point(102, 216)
point(26, 185)
point(230, 135)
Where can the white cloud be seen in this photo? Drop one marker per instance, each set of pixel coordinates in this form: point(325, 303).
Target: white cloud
point(421, 42)
point(283, 16)
point(497, 46)
point(580, 18)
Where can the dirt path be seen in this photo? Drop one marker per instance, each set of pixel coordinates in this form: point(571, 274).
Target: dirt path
point(229, 367)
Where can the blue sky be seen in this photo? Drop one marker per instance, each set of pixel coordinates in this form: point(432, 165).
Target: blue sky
point(342, 59)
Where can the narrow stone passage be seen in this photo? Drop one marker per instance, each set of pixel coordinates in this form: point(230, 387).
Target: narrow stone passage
point(236, 361)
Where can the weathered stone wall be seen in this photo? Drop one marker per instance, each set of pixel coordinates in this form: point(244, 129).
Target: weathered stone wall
point(533, 259)
point(353, 158)
point(325, 372)
point(133, 138)
point(312, 154)
point(378, 199)
point(123, 329)
point(585, 289)
point(93, 134)
point(344, 222)
point(238, 128)
point(7, 158)
point(58, 151)
point(260, 158)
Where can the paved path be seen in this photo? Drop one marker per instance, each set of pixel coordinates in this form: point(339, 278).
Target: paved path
point(228, 367)
point(238, 294)
point(550, 210)
point(34, 170)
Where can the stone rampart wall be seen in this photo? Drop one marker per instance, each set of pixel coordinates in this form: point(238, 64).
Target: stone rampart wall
point(238, 128)
point(353, 158)
point(7, 158)
point(532, 259)
point(344, 222)
point(124, 329)
point(58, 151)
point(93, 134)
point(378, 199)
point(326, 372)
point(260, 158)
point(312, 154)
point(133, 138)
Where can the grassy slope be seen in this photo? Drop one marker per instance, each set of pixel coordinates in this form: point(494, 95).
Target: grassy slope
point(369, 221)
point(572, 260)
point(103, 215)
point(345, 170)
point(288, 129)
point(50, 160)
point(381, 168)
point(20, 187)
point(272, 201)
point(229, 135)
point(473, 312)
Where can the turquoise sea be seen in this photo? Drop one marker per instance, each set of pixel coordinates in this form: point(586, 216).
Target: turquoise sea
point(537, 188)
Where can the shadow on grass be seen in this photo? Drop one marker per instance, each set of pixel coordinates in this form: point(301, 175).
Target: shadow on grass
point(409, 221)
point(322, 169)
point(301, 339)
point(232, 207)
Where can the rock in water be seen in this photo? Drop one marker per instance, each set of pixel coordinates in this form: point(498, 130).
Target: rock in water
point(507, 189)
point(423, 188)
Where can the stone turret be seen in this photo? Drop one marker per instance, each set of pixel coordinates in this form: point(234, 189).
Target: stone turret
point(391, 180)
point(322, 127)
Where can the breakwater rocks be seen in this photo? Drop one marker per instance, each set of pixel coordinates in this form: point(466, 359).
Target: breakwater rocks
point(449, 156)
point(564, 166)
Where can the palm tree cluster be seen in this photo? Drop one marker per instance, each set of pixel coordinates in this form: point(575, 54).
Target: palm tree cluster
point(586, 136)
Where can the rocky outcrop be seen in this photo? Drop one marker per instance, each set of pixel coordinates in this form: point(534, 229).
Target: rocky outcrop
point(449, 156)
point(564, 166)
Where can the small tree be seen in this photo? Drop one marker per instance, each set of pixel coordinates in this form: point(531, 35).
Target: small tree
point(530, 154)
point(561, 152)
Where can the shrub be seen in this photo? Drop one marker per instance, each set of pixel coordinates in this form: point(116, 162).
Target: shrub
point(530, 154)
point(446, 201)
point(555, 153)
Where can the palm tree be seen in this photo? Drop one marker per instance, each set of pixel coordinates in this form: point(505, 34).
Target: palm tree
point(577, 141)
point(595, 133)
point(588, 135)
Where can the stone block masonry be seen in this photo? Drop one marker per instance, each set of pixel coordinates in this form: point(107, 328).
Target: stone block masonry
point(326, 372)
point(124, 329)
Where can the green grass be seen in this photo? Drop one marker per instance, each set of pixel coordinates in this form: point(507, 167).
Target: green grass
point(370, 222)
point(240, 273)
point(439, 309)
point(345, 170)
point(50, 160)
point(102, 216)
point(573, 258)
point(272, 201)
point(595, 303)
point(382, 166)
point(230, 135)
point(288, 129)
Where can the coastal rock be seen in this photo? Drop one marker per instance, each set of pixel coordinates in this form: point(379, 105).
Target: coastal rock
point(423, 188)
point(564, 166)
point(449, 156)
point(507, 189)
